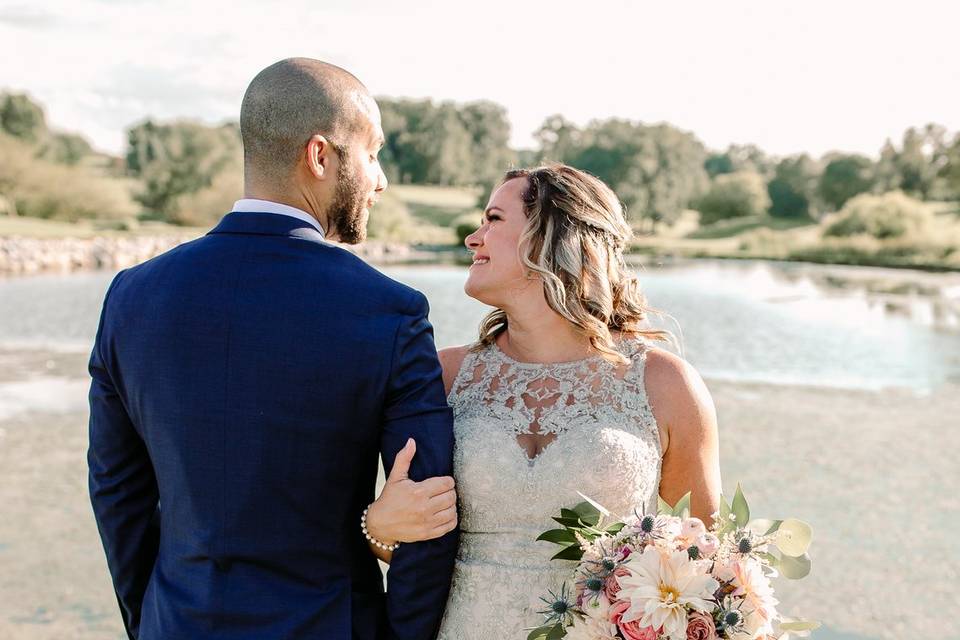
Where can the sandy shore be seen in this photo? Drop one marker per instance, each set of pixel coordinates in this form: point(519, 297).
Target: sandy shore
point(874, 473)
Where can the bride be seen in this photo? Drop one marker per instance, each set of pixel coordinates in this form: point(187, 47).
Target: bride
point(562, 394)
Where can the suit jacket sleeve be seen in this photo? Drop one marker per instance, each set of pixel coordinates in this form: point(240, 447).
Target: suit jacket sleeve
point(419, 577)
point(123, 487)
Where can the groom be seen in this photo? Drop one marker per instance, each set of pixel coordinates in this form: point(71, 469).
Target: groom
point(244, 385)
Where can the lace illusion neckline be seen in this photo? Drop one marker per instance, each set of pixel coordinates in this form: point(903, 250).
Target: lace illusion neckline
point(495, 348)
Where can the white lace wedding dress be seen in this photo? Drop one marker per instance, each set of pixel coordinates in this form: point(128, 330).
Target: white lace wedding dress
point(605, 446)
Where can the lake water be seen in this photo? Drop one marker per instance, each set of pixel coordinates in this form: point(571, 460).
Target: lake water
point(754, 321)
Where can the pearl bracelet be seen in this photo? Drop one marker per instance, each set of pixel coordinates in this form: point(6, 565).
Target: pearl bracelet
point(371, 539)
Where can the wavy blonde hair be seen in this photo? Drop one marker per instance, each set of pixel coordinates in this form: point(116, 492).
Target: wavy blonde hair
point(573, 241)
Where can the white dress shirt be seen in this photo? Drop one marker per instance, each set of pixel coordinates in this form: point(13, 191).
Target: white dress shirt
point(250, 205)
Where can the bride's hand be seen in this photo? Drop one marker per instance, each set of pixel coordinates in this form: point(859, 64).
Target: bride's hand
point(409, 511)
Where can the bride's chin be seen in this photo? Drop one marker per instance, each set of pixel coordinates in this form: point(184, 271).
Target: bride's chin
point(478, 293)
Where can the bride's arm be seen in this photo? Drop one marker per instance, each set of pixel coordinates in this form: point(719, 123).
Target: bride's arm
point(687, 421)
point(407, 511)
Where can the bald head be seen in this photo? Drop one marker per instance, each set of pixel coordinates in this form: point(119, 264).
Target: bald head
point(292, 100)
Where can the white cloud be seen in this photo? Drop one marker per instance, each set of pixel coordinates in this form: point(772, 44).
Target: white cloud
point(789, 77)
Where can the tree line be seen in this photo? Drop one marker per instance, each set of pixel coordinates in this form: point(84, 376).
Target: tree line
point(657, 170)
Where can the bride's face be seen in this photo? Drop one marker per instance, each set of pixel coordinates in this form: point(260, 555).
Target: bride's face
point(496, 275)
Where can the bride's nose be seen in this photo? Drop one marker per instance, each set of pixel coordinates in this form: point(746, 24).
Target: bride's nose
point(474, 240)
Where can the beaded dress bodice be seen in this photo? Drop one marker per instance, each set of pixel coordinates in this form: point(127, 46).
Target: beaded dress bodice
point(597, 436)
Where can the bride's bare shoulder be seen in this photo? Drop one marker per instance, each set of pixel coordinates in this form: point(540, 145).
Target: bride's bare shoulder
point(678, 396)
point(451, 358)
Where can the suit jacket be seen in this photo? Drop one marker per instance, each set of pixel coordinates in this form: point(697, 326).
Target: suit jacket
point(244, 385)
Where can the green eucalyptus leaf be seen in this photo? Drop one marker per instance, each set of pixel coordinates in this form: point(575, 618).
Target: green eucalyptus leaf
point(794, 537)
point(740, 509)
point(794, 568)
point(682, 508)
point(558, 536)
point(771, 559)
point(573, 552)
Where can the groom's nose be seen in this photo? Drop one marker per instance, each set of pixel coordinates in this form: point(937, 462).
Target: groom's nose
point(381, 181)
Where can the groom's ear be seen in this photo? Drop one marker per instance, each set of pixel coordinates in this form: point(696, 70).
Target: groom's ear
point(319, 152)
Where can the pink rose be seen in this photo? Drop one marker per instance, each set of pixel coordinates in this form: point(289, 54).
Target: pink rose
point(708, 544)
point(692, 528)
point(630, 630)
point(612, 586)
point(700, 627)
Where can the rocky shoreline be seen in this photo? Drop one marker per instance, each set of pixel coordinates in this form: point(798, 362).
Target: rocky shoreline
point(26, 256)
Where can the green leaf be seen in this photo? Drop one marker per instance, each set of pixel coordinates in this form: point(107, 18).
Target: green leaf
point(740, 509)
point(663, 507)
point(773, 560)
point(573, 523)
point(615, 528)
point(596, 505)
point(569, 514)
point(682, 508)
point(558, 536)
point(764, 526)
point(794, 537)
point(573, 552)
point(794, 568)
point(588, 514)
point(541, 633)
point(557, 632)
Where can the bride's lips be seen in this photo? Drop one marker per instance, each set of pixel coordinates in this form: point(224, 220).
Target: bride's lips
point(479, 260)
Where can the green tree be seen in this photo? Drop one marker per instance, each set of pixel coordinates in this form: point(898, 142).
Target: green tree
point(734, 195)
point(922, 156)
point(445, 144)
point(951, 168)
point(489, 130)
point(22, 118)
point(656, 171)
point(886, 173)
point(178, 159)
point(66, 148)
point(793, 187)
point(718, 164)
point(559, 139)
point(890, 215)
point(402, 159)
point(844, 177)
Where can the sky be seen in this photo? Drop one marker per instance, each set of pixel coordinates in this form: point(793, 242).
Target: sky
point(790, 77)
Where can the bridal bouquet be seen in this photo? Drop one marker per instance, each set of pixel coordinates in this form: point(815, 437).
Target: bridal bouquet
point(667, 577)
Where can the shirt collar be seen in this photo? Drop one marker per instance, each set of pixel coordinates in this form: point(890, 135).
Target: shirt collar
point(254, 205)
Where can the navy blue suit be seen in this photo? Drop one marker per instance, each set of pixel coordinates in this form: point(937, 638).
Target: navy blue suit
point(244, 386)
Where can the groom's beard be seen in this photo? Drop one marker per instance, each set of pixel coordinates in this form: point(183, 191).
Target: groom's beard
point(345, 214)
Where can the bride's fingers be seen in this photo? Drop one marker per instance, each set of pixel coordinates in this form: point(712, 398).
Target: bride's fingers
point(437, 486)
point(443, 501)
point(448, 522)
